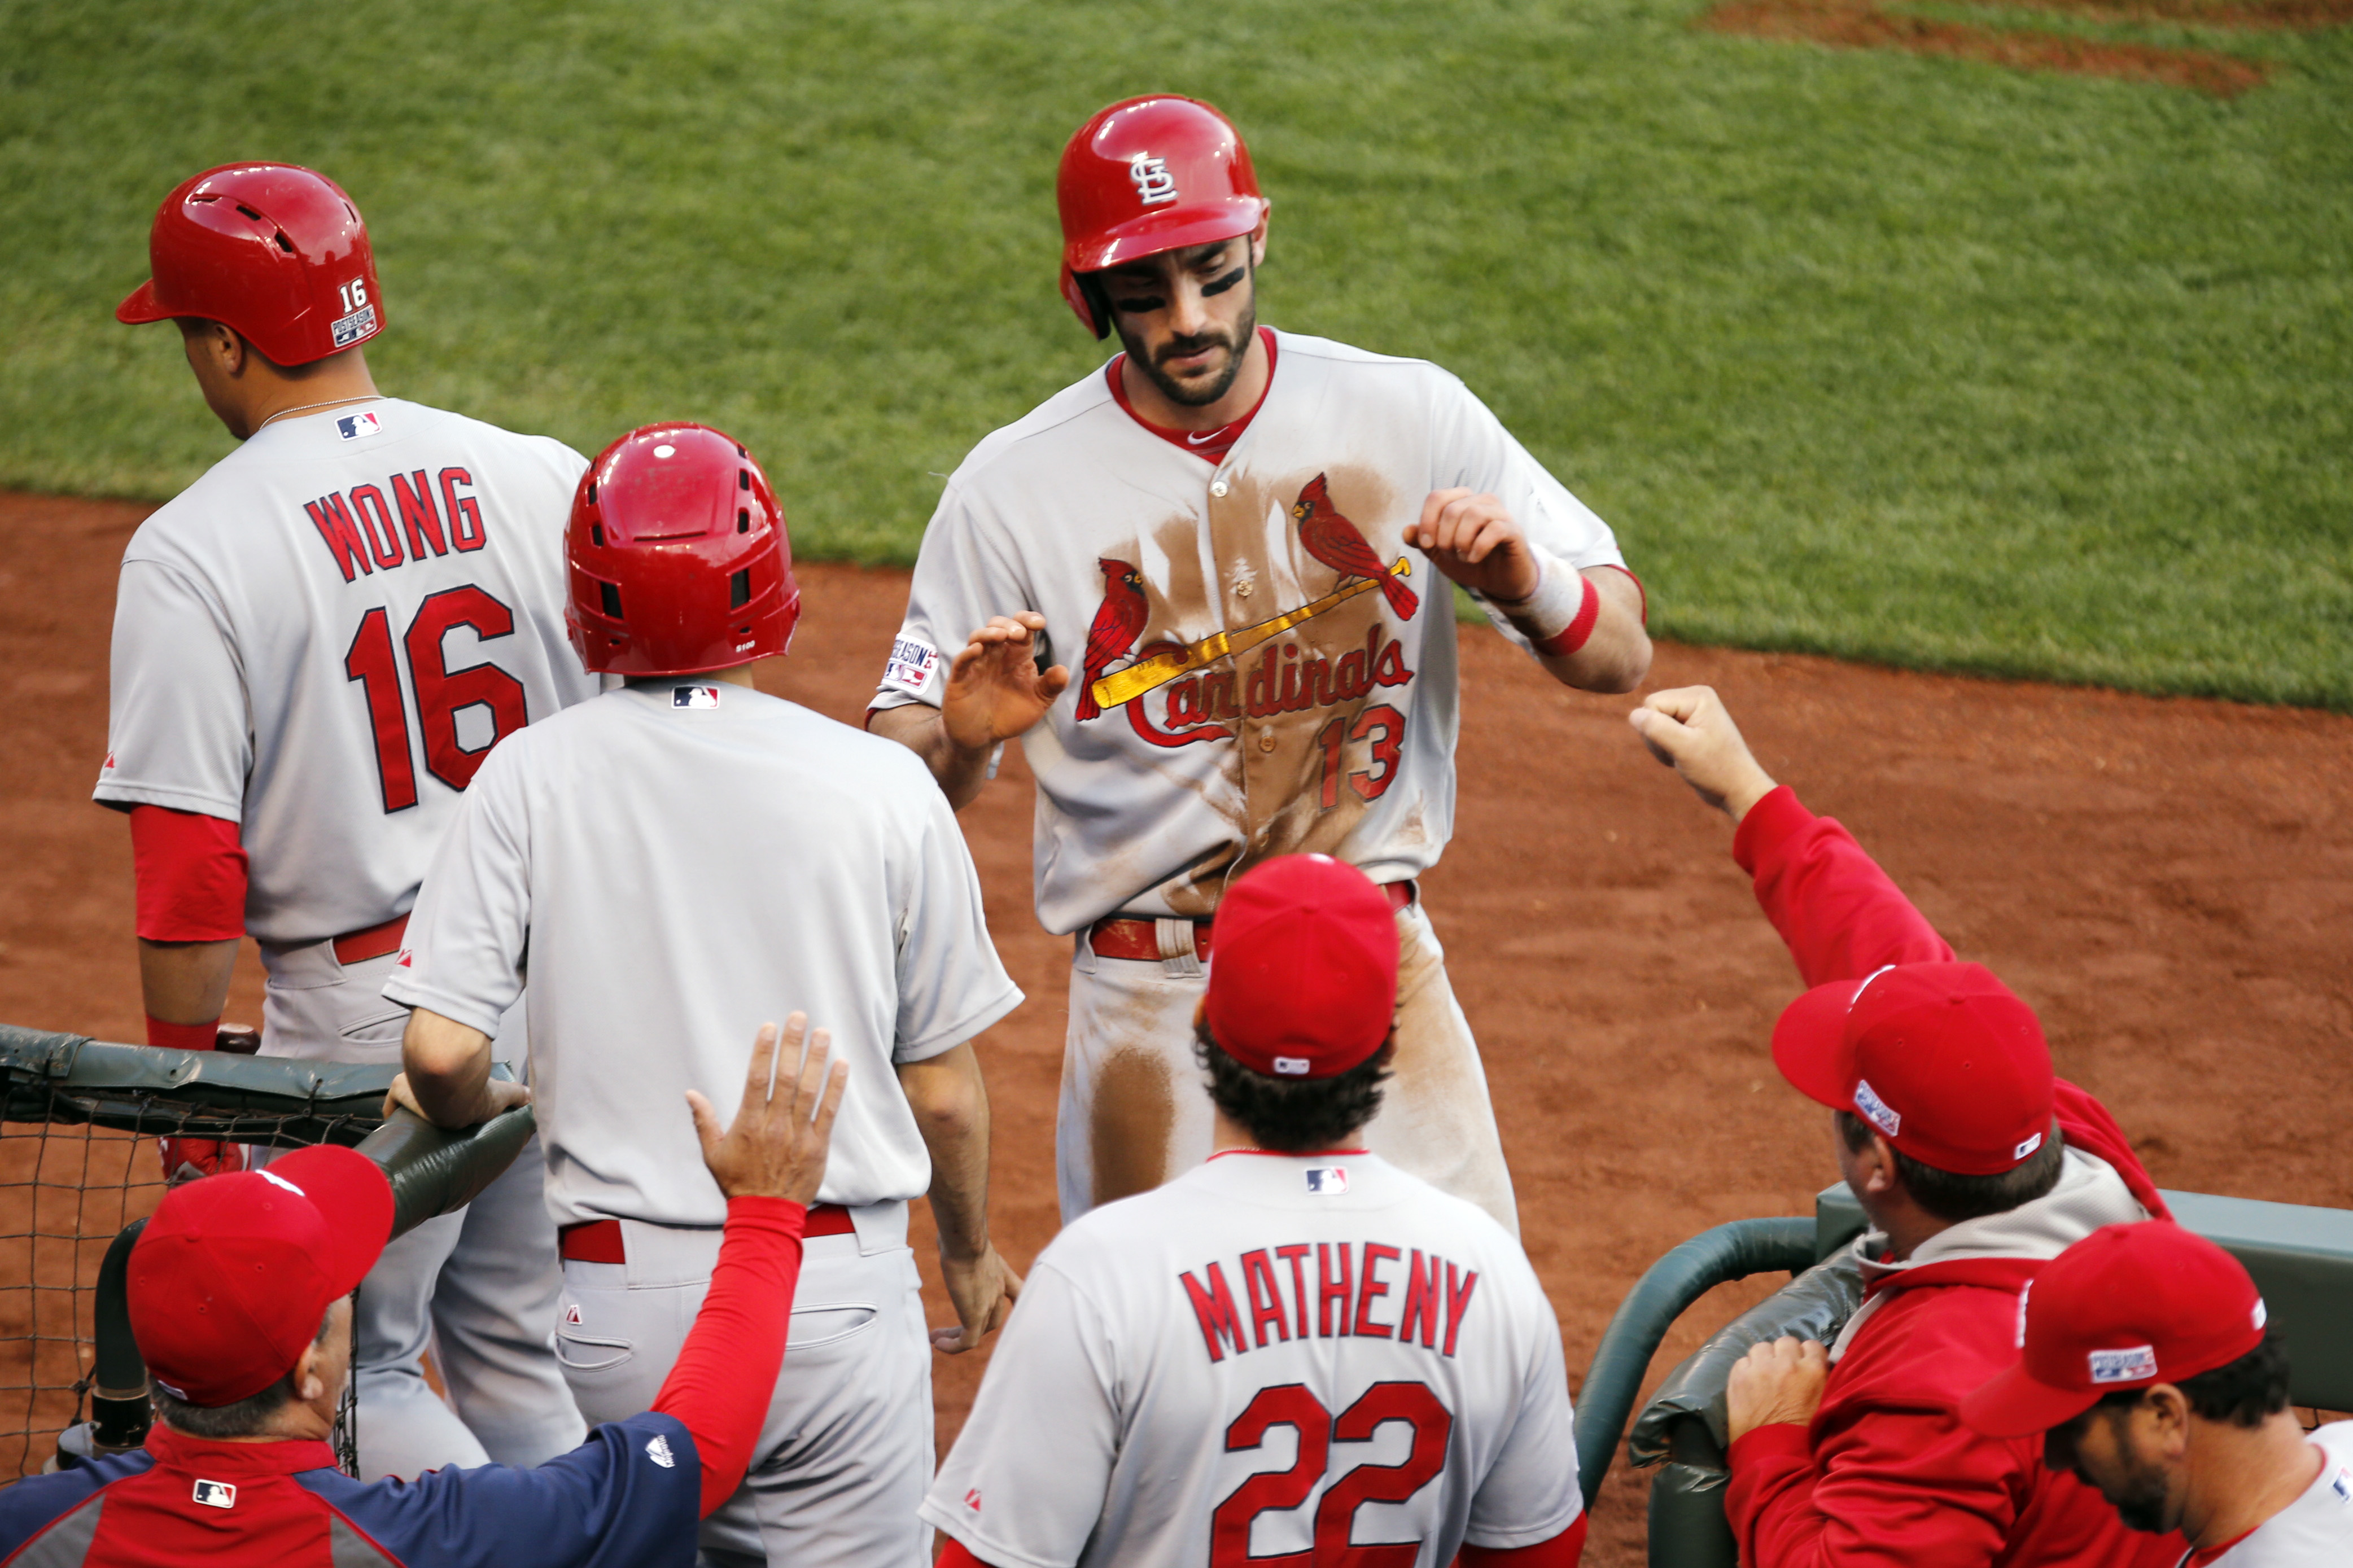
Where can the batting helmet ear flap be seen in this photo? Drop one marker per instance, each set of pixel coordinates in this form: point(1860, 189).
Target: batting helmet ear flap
point(1087, 299)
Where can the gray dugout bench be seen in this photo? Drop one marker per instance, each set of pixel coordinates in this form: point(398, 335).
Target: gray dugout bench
point(2301, 1258)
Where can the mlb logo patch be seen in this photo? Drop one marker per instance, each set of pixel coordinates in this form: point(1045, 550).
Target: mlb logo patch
point(351, 427)
point(1875, 1111)
point(216, 1494)
point(911, 666)
point(2342, 1485)
point(1328, 1181)
point(694, 697)
point(2135, 1363)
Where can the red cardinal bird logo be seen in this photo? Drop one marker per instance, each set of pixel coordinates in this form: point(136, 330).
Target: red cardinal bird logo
point(1117, 623)
point(1332, 539)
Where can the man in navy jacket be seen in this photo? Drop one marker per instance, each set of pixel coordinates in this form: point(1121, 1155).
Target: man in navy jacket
point(240, 1300)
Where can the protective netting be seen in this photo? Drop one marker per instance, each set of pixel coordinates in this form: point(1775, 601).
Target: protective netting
point(79, 1162)
point(65, 1191)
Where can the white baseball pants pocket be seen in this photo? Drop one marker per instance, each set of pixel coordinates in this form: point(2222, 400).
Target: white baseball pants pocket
point(847, 1450)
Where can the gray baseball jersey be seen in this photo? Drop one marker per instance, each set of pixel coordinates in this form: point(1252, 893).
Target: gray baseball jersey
point(2315, 1530)
point(321, 638)
point(682, 861)
point(1271, 1354)
point(1309, 700)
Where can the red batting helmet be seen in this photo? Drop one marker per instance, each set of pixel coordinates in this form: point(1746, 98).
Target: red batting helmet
point(276, 252)
point(1146, 176)
point(678, 555)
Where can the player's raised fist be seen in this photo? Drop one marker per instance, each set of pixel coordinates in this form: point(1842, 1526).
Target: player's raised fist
point(1474, 539)
point(1688, 729)
point(996, 690)
point(776, 1146)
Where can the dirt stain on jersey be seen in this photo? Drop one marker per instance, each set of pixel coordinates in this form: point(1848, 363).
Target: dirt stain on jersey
point(1133, 1115)
point(1310, 738)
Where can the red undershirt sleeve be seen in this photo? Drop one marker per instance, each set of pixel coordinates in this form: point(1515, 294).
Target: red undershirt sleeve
point(1562, 1550)
point(953, 1555)
point(1841, 916)
point(725, 1376)
point(191, 872)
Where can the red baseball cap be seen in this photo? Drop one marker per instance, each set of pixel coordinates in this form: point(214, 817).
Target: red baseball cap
point(1941, 1058)
point(1303, 968)
point(228, 1282)
point(2128, 1306)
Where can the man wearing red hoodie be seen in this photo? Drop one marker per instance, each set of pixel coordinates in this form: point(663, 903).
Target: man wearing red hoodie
point(1974, 1166)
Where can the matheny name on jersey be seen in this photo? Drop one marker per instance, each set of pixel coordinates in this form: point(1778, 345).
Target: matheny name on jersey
point(1340, 1290)
point(365, 532)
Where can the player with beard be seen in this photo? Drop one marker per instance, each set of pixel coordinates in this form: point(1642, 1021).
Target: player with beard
point(1230, 531)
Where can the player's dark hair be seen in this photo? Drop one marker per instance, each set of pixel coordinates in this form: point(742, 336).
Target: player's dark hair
point(1953, 1198)
point(2243, 1393)
point(246, 1417)
point(1294, 1115)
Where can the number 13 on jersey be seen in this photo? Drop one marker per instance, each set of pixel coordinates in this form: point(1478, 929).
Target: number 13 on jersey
point(439, 692)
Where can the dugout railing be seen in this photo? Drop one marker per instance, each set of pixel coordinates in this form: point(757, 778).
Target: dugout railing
point(80, 1176)
point(2301, 1258)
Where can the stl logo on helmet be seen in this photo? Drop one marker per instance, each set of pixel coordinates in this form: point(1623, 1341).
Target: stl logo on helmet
point(1154, 183)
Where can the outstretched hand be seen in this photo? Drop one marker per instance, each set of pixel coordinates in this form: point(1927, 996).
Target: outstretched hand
point(1688, 730)
point(776, 1146)
point(995, 691)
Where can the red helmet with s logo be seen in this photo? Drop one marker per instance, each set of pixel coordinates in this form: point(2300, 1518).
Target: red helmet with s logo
point(1145, 175)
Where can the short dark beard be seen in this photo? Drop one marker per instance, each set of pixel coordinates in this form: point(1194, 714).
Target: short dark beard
point(2142, 1503)
point(1237, 350)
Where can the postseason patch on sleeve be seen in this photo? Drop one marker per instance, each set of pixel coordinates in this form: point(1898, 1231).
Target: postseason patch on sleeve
point(911, 666)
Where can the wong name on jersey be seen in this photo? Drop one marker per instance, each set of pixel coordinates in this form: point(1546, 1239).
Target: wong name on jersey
point(359, 528)
point(1350, 1296)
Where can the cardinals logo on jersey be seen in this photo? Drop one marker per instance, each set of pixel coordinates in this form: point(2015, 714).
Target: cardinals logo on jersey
point(1331, 538)
point(1325, 533)
point(1118, 621)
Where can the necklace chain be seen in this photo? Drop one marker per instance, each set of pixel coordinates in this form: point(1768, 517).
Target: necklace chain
point(306, 407)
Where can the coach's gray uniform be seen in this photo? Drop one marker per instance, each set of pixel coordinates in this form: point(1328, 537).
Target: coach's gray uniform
point(319, 640)
point(682, 861)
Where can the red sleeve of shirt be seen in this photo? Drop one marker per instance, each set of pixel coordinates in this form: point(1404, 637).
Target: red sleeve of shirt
point(1838, 911)
point(190, 873)
point(1561, 1552)
point(1842, 918)
point(953, 1555)
point(1902, 1488)
point(725, 1376)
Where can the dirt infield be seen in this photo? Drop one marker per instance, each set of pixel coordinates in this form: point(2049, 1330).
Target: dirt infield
point(1870, 25)
point(2169, 882)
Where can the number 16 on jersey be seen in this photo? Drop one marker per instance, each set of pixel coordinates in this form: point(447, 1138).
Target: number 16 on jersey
point(439, 692)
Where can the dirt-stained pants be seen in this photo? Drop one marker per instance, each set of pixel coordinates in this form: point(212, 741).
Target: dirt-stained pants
point(1133, 1112)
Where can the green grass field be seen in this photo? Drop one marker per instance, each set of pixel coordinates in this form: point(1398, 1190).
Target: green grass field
point(1900, 359)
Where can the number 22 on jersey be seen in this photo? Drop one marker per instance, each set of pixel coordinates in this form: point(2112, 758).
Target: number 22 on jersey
point(1292, 1405)
point(439, 692)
